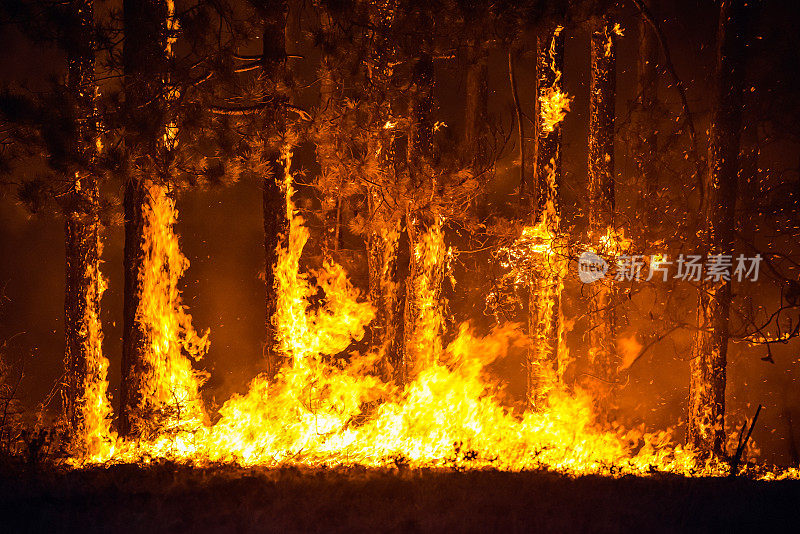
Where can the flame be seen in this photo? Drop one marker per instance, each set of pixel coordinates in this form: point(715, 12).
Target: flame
point(553, 102)
point(97, 436)
point(170, 387)
point(321, 411)
point(548, 355)
point(424, 312)
point(303, 333)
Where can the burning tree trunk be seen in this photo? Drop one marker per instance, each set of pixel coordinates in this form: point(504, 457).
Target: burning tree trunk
point(706, 430)
point(602, 92)
point(386, 289)
point(645, 138)
point(385, 292)
point(544, 312)
point(144, 58)
point(160, 390)
point(276, 220)
point(423, 306)
point(87, 409)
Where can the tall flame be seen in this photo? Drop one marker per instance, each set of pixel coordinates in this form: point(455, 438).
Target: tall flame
point(553, 101)
point(425, 315)
point(170, 387)
point(98, 438)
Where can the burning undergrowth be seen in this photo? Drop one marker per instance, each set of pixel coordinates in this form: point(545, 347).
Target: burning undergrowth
point(325, 411)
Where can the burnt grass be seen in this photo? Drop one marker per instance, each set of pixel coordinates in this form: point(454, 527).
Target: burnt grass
point(167, 497)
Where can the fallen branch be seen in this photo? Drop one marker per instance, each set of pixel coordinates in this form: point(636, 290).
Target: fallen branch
point(743, 444)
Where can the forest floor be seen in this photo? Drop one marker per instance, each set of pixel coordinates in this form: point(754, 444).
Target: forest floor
point(170, 498)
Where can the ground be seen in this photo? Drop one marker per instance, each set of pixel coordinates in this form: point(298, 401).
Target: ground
point(170, 498)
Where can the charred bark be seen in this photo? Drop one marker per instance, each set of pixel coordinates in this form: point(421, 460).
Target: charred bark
point(706, 429)
point(83, 281)
point(423, 307)
point(385, 292)
point(602, 93)
point(547, 146)
point(276, 232)
point(544, 303)
point(145, 58)
point(645, 138)
point(276, 218)
point(476, 142)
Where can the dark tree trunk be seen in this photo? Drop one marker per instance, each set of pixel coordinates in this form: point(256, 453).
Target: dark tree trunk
point(386, 288)
point(82, 296)
point(602, 93)
point(706, 430)
point(145, 66)
point(423, 306)
point(327, 145)
point(544, 310)
point(276, 218)
point(85, 364)
point(476, 118)
point(385, 292)
point(547, 148)
point(645, 138)
point(276, 231)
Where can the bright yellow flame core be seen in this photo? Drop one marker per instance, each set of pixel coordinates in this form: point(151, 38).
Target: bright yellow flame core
point(553, 102)
point(97, 436)
point(170, 387)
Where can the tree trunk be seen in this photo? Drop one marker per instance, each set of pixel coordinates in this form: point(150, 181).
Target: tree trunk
point(424, 314)
point(87, 409)
point(602, 93)
point(385, 292)
point(327, 143)
point(276, 218)
point(276, 233)
point(423, 307)
point(645, 138)
point(706, 430)
point(475, 144)
point(544, 311)
point(145, 65)
point(547, 148)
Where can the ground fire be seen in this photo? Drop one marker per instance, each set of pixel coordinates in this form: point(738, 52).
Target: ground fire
point(523, 239)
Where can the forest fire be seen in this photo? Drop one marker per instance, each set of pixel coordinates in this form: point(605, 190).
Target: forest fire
point(411, 240)
point(319, 413)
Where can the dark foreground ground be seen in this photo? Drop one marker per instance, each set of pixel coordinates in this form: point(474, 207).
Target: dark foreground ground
point(168, 498)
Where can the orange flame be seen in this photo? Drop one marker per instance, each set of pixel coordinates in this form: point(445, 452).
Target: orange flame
point(171, 387)
point(98, 438)
point(319, 412)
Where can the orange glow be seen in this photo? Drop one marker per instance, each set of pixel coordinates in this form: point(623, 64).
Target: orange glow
point(326, 410)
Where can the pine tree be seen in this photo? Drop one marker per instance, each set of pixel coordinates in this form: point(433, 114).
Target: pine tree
point(645, 138)
point(602, 93)
point(424, 319)
point(544, 311)
point(706, 431)
point(86, 382)
point(273, 115)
